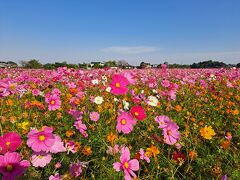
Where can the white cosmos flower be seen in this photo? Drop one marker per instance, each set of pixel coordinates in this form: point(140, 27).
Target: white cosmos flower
point(125, 105)
point(98, 100)
point(95, 81)
point(152, 101)
point(108, 89)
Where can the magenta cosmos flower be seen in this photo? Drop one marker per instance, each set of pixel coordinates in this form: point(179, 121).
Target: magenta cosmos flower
point(119, 85)
point(41, 140)
point(75, 169)
point(162, 121)
point(54, 102)
point(126, 165)
point(171, 133)
point(11, 165)
point(94, 116)
point(138, 112)
point(10, 142)
point(125, 123)
point(81, 127)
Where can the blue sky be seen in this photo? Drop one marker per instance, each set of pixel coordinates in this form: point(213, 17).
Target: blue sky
point(153, 31)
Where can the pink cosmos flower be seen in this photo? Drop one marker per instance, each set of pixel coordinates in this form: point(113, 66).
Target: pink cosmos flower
point(171, 133)
point(143, 156)
point(10, 142)
point(41, 140)
point(71, 147)
point(11, 165)
point(58, 145)
point(113, 150)
point(119, 85)
point(41, 159)
point(54, 102)
point(138, 112)
point(56, 91)
point(125, 123)
point(55, 177)
point(94, 116)
point(75, 169)
point(126, 165)
point(165, 83)
point(81, 127)
point(36, 92)
point(162, 121)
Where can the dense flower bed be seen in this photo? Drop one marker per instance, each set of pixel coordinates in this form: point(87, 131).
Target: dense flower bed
point(116, 124)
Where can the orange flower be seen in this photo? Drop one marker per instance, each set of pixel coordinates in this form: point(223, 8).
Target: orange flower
point(225, 144)
point(59, 115)
point(69, 133)
point(9, 102)
point(112, 138)
point(235, 112)
point(192, 154)
point(207, 132)
point(178, 108)
point(87, 150)
point(13, 119)
point(152, 151)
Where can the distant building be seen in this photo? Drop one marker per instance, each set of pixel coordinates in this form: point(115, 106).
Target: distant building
point(144, 65)
point(8, 64)
point(92, 64)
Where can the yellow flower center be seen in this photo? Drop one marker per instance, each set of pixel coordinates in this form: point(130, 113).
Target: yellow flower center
point(136, 113)
point(8, 143)
point(118, 85)
point(12, 86)
point(169, 132)
point(42, 138)
point(123, 121)
point(52, 102)
point(126, 165)
point(9, 167)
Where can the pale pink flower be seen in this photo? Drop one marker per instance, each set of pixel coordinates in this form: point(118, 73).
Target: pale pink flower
point(143, 156)
point(162, 121)
point(94, 116)
point(41, 159)
point(171, 133)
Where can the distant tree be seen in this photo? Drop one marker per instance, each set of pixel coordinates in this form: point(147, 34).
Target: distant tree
point(122, 63)
point(238, 65)
point(110, 63)
point(32, 64)
point(209, 64)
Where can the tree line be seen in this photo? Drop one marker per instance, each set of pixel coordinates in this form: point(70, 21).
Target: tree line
point(35, 64)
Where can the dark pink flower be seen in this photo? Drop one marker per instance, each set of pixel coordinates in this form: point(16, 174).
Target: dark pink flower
point(138, 112)
point(11, 165)
point(10, 142)
point(119, 85)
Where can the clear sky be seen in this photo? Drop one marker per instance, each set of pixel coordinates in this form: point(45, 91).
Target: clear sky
point(177, 31)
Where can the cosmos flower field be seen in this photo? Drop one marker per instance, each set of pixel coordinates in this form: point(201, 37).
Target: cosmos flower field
point(119, 124)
